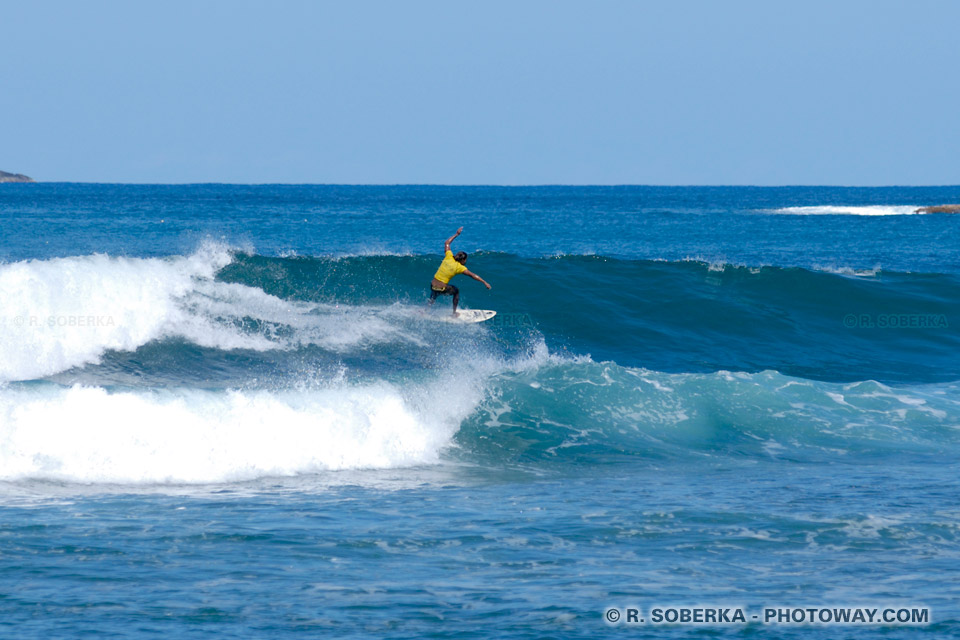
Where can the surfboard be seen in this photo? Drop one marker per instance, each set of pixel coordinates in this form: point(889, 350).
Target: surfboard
point(469, 316)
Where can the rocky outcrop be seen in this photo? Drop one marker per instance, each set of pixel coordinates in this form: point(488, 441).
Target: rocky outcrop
point(14, 177)
point(943, 208)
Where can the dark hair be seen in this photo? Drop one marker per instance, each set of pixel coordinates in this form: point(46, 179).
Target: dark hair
point(461, 256)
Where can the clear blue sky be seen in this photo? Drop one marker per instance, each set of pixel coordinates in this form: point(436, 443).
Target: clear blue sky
point(521, 92)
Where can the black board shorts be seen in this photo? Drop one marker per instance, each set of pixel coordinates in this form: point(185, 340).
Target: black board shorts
point(448, 290)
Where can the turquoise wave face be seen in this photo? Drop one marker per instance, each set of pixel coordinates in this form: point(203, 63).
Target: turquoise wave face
point(669, 316)
point(567, 413)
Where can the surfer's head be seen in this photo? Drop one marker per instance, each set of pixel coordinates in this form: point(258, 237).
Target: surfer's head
point(461, 257)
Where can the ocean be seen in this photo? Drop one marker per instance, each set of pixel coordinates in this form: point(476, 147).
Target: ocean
point(227, 412)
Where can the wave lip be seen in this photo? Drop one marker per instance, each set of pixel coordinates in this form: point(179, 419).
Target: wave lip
point(841, 210)
point(68, 312)
point(65, 312)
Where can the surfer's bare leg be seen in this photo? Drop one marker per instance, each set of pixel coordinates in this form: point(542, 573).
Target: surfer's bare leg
point(456, 300)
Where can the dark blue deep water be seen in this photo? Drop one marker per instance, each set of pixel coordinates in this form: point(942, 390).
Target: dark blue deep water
point(226, 412)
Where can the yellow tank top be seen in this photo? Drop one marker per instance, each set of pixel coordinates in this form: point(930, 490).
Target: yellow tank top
point(448, 268)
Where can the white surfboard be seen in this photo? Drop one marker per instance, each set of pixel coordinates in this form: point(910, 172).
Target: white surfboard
point(469, 316)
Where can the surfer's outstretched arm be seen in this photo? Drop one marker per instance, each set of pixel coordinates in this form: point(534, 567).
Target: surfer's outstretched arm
point(477, 278)
point(446, 245)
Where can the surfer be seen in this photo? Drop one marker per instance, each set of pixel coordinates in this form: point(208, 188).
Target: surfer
point(451, 266)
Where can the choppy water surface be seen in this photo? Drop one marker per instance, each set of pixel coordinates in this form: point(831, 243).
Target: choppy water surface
point(225, 411)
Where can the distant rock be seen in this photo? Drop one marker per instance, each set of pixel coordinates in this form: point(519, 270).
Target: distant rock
point(14, 177)
point(943, 208)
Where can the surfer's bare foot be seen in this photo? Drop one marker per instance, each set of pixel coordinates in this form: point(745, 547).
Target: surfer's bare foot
point(456, 314)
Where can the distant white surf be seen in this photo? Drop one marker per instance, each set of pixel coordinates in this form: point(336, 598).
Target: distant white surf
point(835, 210)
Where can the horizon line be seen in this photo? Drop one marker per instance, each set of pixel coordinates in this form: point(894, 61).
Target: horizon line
point(492, 185)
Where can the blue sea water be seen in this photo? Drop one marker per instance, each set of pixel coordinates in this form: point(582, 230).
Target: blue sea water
point(225, 411)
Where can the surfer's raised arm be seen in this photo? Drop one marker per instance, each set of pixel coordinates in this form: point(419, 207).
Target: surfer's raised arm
point(451, 266)
point(446, 245)
point(477, 278)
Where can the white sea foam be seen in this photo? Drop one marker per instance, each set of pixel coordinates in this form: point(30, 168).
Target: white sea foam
point(89, 435)
point(371, 251)
point(836, 210)
point(718, 264)
point(66, 312)
point(849, 271)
